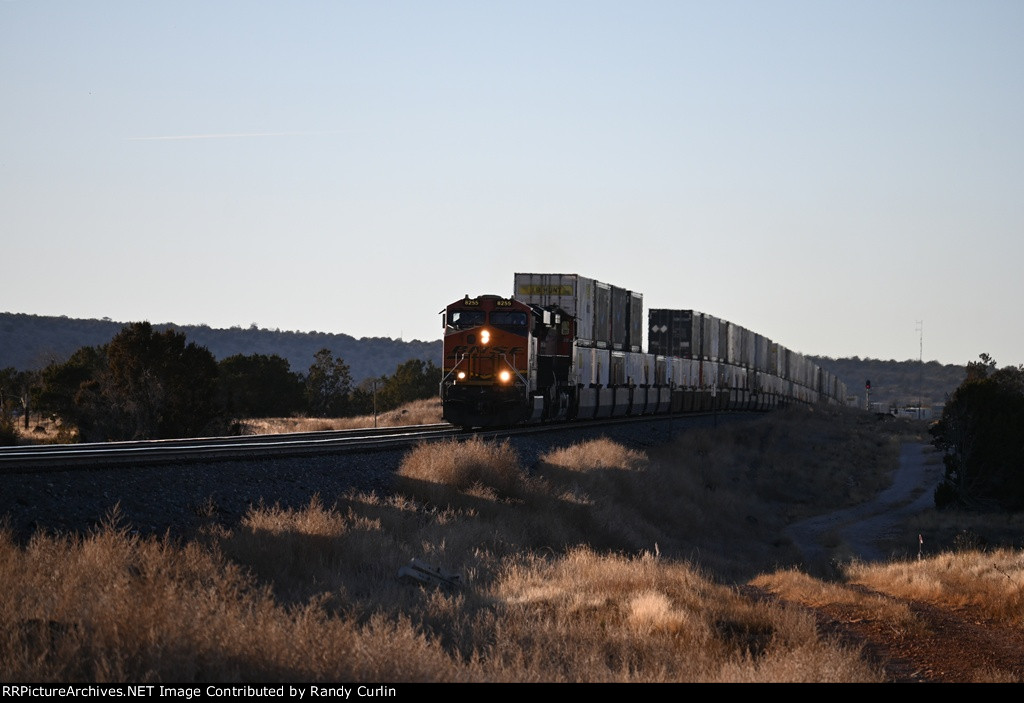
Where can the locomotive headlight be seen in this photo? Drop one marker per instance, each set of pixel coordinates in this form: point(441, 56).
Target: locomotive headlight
point(485, 336)
point(505, 376)
point(461, 375)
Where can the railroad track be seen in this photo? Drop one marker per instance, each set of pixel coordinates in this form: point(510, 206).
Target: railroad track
point(62, 457)
point(104, 454)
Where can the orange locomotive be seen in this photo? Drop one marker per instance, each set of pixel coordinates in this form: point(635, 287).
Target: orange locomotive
point(505, 362)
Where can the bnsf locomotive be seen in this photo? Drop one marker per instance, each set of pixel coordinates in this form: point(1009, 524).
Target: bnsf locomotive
point(565, 347)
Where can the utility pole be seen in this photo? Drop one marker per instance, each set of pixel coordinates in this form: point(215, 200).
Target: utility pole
point(374, 403)
point(920, 367)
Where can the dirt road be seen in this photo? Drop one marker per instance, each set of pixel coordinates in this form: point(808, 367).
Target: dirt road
point(857, 531)
point(946, 645)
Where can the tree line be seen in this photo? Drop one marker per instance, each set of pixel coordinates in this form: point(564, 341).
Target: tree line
point(148, 384)
point(981, 436)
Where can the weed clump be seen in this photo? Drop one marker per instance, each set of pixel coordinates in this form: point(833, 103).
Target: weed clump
point(439, 472)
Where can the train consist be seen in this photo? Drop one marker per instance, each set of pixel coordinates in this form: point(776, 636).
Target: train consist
point(566, 347)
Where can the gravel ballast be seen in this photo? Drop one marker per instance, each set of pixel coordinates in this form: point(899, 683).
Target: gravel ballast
point(177, 499)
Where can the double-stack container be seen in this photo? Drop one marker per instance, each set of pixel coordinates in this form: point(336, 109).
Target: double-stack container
point(607, 317)
point(574, 294)
point(674, 333)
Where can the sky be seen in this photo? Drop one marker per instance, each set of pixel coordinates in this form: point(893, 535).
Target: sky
point(846, 178)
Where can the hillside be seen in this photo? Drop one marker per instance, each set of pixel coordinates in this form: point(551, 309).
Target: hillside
point(898, 383)
point(32, 341)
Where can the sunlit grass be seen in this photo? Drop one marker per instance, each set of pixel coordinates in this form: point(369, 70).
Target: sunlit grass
point(419, 412)
point(990, 582)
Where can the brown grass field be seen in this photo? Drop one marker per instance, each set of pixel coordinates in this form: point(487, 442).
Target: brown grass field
point(43, 430)
point(603, 563)
point(420, 412)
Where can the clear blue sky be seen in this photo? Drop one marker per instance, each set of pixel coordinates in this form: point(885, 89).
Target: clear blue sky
point(826, 173)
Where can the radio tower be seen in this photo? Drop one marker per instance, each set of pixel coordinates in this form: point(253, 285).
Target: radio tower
point(920, 367)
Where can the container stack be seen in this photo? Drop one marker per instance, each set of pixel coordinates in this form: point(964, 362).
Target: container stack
point(674, 333)
point(609, 323)
point(607, 317)
point(689, 334)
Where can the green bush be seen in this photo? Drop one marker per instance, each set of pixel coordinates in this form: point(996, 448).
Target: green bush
point(981, 435)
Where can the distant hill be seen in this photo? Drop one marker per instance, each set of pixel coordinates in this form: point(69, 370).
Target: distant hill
point(33, 341)
point(896, 382)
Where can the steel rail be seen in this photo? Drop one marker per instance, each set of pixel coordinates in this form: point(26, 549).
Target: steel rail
point(75, 456)
point(232, 439)
point(65, 457)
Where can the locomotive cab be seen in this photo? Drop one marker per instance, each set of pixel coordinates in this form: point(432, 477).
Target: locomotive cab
point(486, 361)
point(505, 362)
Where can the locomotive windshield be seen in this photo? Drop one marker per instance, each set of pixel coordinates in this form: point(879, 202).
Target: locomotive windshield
point(510, 320)
point(464, 319)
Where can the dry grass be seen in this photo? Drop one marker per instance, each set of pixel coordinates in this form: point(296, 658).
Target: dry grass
point(615, 618)
point(797, 587)
point(722, 497)
point(601, 564)
point(419, 412)
point(44, 430)
point(992, 582)
point(440, 472)
point(113, 607)
point(597, 454)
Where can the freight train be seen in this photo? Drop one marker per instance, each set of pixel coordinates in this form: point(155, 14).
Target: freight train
point(566, 347)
